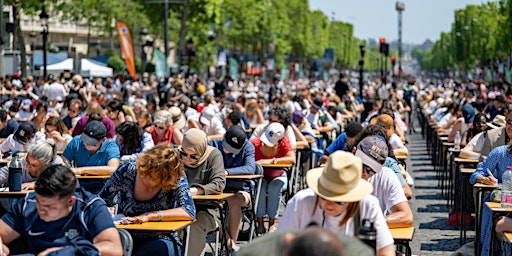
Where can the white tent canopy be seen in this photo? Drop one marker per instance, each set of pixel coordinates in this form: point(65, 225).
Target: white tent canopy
point(87, 66)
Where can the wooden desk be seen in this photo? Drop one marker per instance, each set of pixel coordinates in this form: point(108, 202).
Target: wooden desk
point(14, 194)
point(401, 157)
point(244, 177)
point(508, 237)
point(478, 210)
point(92, 177)
point(497, 210)
point(465, 160)
point(216, 201)
point(467, 170)
point(78, 171)
point(163, 226)
point(3, 162)
point(278, 165)
point(402, 237)
point(309, 139)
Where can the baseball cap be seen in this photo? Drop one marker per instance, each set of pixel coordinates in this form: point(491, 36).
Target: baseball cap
point(468, 112)
point(318, 102)
point(273, 133)
point(234, 139)
point(297, 117)
point(26, 103)
point(25, 131)
point(93, 133)
point(207, 115)
point(373, 151)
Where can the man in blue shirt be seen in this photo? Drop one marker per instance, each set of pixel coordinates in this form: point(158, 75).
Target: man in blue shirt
point(238, 155)
point(60, 217)
point(92, 151)
point(352, 130)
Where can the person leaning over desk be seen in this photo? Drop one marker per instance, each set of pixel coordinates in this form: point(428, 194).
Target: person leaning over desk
point(60, 219)
point(152, 188)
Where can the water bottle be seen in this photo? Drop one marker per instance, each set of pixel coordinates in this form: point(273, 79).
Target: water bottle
point(457, 141)
point(15, 172)
point(368, 234)
point(506, 189)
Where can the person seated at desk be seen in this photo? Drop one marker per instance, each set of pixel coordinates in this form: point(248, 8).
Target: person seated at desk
point(206, 175)
point(388, 122)
point(152, 188)
point(8, 125)
point(499, 136)
point(92, 151)
point(335, 195)
point(25, 135)
point(55, 129)
point(496, 163)
point(61, 218)
point(473, 140)
point(163, 130)
point(347, 137)
point(238, 156)
point(272, 148)
point(132, 140)
point(207, 121)
point(373, 151)
point(40, 155)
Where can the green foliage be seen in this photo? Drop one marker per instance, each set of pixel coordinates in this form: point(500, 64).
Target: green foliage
point(116, 63)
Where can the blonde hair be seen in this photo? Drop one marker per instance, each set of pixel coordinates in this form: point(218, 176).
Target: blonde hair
point(351, 210)
point(252, 103)
point(94, 107)
point(164, 164)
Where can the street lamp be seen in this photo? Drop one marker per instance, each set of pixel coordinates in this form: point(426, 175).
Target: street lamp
point(143, 34)
point(43, 16)
point(361, 69)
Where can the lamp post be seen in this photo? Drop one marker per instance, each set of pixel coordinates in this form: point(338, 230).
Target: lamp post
point(143, 34)
point(32, 49)
point(361, 69)
point(399, 7)
point(44, 23)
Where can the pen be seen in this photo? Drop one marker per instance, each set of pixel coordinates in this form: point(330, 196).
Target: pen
point(490, 173)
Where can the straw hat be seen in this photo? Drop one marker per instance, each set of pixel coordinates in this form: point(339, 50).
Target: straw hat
point(178, 118)
point(340, 179)
point(497, 122)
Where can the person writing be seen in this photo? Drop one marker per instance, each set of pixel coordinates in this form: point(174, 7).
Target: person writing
point(152, 188)
point(61, 218)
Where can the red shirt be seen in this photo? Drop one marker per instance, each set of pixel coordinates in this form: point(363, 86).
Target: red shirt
point(283, 148)
point(168, 136)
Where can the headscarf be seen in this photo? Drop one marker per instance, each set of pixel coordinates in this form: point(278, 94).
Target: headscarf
point(197, 140)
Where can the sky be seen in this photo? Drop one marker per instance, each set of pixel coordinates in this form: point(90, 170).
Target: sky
point(422, 19)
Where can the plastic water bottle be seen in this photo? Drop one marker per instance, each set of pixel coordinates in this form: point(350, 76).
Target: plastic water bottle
point(15, 173)
point(457, 141)
point(368, 234)
point(506, 189)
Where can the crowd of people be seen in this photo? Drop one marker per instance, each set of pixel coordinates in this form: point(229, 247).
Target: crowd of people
point(164, 142)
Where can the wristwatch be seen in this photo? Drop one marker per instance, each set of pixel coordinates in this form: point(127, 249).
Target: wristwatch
point(274, 160)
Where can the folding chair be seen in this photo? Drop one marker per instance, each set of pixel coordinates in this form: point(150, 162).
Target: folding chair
point(126, 241)
point(249, 212)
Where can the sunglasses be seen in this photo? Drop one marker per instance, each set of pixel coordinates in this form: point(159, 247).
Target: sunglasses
point(340, 203)
point(369, 170)
point(160, 127)
point(509, 122)
point(184, 154)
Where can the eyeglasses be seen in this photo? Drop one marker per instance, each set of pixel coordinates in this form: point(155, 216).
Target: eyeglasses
point(509, 122)
point(185, 154)
point(369, 170)
point(73, 110)
point(340, 203)
point(160, 127)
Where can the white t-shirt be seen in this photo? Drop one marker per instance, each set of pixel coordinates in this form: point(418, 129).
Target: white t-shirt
point(56, 91)
point(476, 143)
point(298, 214)
point(395, 141)
point(387, 188)
point(444, 120)
point(214, 128)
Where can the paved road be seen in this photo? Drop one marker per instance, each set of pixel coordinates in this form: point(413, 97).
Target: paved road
point(433, 236)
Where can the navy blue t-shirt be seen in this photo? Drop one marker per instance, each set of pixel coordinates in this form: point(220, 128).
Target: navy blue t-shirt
point(10, 128)
point(88, 218)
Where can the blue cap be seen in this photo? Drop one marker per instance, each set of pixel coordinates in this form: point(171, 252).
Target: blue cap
point(468, 112)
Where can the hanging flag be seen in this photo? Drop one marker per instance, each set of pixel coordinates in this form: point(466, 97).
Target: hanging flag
point(125, 40)
point(160, 63)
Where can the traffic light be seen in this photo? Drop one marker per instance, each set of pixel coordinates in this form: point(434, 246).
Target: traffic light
point(393, 60)
point(382, 41)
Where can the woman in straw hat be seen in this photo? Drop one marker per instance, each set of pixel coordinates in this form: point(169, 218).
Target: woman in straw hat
point(337, 197)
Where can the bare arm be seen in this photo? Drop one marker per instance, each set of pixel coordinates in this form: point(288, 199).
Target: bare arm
point(108, 242)
point(261, 120)
point(400, 217)
point(177, 137)
point(456, 128)
point(299, 137)
point(388, 250)
point(192, 124)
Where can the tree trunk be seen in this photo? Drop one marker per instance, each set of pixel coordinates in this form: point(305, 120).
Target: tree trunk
point(20, 39)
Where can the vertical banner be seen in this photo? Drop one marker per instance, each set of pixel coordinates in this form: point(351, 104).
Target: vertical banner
point(125, 40)
point(160, 63)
